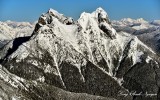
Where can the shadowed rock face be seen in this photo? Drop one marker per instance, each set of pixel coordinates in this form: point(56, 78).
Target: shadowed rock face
point(67, 60)
point(16, 43)
point(92, 81)
point(43, 92)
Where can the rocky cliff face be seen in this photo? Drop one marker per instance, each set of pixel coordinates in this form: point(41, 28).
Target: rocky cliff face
point(85, 59)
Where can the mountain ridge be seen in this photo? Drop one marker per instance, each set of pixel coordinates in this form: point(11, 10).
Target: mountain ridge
point(84, 56)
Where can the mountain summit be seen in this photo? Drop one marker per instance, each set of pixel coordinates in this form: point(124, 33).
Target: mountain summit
point(85, 59)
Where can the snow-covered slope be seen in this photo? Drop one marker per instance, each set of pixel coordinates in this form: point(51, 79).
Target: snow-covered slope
point(10, 30)
point(83, 56)
point(147, 32)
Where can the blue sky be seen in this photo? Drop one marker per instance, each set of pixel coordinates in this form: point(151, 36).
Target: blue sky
point(30, 10)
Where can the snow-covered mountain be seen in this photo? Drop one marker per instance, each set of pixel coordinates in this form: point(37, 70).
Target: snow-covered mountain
point(85, 59)
point(147, 32)
point(10, 30)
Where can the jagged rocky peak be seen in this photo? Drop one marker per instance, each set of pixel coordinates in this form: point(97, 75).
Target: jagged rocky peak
point(97, 18)
point(102, 15)
point(48, 17)
point(104, 23)
point(99, 14)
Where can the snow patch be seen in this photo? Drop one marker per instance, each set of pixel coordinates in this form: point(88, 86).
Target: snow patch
point(148, 59)
point(41, 79)
point(15, 98)
point(48, 69)
point(119, 80)
point(35, 63)
point(138, 56)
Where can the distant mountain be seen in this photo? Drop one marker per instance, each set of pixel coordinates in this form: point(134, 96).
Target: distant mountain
point(10, 30)
point(147, 32)
point(85, 59)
